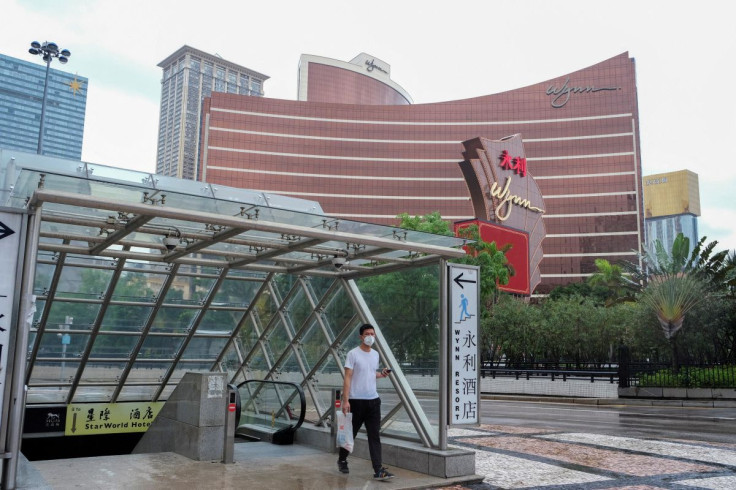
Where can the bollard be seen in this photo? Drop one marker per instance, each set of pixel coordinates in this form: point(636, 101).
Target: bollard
point(228, 449)
point(337, 397)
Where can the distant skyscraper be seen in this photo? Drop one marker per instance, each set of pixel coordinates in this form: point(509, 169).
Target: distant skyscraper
point(189, 76)
point(671, 206)
point(21, 94)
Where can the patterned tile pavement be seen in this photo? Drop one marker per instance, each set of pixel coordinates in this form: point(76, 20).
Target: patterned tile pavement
point(519, 457)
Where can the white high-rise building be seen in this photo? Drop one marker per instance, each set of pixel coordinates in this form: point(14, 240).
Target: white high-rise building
point(190, 75)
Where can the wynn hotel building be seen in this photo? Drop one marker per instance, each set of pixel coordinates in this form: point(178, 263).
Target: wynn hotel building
point(355, 143)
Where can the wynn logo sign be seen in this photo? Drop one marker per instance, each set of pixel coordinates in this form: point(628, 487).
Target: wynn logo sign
point(504, 192)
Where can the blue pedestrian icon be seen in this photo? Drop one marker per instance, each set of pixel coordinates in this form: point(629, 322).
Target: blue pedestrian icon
point(464, 314)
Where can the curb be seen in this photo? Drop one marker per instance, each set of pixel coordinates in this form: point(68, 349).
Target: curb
point(641, 402)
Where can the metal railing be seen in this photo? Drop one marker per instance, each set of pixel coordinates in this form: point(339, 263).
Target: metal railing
point(552, 373)
point(652, 374)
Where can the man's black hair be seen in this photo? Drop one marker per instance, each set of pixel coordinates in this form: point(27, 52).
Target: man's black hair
point(365, 327)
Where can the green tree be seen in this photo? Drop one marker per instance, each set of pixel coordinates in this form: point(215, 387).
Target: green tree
point(675, 283)
point(611, 277)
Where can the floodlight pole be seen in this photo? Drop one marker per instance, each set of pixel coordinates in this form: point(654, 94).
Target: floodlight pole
point(48, 51)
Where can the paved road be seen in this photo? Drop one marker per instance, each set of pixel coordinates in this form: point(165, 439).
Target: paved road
point(691, 423)
point(534, 445)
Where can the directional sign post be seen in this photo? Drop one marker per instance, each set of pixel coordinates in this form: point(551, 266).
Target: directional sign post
point(9, 247)
point(463, 314)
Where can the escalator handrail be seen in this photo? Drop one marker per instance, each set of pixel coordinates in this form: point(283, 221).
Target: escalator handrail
point(302, 400)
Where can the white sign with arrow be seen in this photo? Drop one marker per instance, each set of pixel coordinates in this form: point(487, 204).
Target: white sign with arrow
point(9, 246)
point(464, 311)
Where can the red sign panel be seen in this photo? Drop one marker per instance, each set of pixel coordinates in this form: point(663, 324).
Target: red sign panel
point(518, 255)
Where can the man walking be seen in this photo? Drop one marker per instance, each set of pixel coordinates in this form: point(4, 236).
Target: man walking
point(359, 396)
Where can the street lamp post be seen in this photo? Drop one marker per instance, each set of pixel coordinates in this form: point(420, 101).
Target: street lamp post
point(48, 51)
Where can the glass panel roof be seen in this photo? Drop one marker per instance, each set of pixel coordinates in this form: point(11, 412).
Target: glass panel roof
point(141, 278)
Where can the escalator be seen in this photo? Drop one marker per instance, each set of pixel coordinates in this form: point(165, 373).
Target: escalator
point(270, 410)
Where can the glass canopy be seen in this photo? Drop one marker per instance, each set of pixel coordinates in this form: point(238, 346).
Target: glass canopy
point(141, 278)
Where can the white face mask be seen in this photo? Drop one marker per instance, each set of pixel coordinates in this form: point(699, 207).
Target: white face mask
point(369, 339)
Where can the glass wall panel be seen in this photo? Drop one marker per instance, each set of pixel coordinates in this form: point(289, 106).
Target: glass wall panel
point(230, 362)
point(338, 311)
point(125, 318)
point(298, 308)
point(236, 293)
point(220, 321)
point(248, 335)
point(160, 347)
point(134, 286)
point(57, 345)
point(189, 290)
point(173, 320)
point(54, 371)
point(113, 346)
point(258, 366)
point(47, 394)
point(99, 372)
point(137, 393)
point(44, 273)
point(147, 372)
point(93, 393)
point(314, 344)
point(81, 316)
point(203, 348)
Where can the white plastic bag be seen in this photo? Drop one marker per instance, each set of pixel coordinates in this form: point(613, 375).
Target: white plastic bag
point(345, 430)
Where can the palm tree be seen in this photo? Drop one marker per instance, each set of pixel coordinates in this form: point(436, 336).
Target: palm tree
point(612, 277)
point(671, 296)
point(674, 281)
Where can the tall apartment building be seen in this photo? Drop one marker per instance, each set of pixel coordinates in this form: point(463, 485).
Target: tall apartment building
point(21, 96)
point(671, 206)
point(189, 75)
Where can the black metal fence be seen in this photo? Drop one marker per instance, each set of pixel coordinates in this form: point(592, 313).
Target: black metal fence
point(652, 374)
point(604, 372)
point(626, 373)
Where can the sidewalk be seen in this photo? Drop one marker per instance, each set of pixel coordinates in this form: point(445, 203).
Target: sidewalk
point(257, 465)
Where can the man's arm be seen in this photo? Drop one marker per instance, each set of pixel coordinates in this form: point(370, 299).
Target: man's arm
point(346, 390)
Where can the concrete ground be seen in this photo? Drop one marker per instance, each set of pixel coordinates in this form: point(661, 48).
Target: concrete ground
point(507, 456)
point(257, 465)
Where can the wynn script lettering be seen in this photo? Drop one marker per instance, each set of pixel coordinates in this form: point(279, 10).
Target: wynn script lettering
point(562, 94)
point(503, 210)
point(371, 65)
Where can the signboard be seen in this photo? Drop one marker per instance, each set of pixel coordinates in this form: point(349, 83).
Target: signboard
point(523, 281)
point(44, 419)
point(503, 191)
point(85, 419)
point(10, 224)
point(464, 312)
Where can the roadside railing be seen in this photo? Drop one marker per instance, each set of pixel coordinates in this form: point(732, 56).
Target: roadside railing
point(651, 374)
point(608, 375)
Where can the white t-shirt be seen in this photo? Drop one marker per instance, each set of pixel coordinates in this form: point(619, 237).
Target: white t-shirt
point(364, 366)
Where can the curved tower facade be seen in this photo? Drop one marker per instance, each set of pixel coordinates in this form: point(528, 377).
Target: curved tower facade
point(371, 162)
point(363, 80)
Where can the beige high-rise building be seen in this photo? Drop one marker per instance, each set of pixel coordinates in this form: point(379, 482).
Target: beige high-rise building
point(189, 75)
point(671, 206)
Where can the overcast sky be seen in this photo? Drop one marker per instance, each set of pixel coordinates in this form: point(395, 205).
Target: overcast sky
point(438, 50)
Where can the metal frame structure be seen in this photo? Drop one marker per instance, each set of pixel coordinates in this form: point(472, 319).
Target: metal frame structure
point(242, 286)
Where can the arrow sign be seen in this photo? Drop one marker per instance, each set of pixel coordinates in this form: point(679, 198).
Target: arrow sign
point(5, 231)
point(458, 280)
